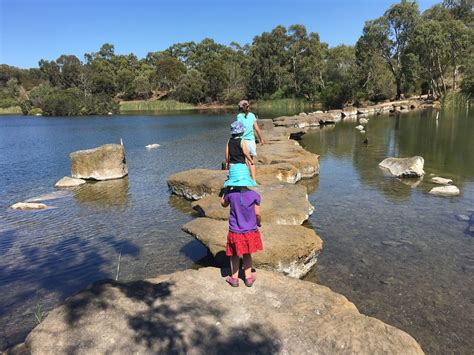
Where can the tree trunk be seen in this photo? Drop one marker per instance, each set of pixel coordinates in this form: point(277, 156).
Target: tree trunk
point(455, 70)
point(399, 88)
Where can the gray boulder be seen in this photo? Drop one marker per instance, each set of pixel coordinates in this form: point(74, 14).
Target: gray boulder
point(24, 206)
point(281, 204)
point(441, 181)
point(103, 163)
point(291, 250)
point(404, 167)
point(196, 312)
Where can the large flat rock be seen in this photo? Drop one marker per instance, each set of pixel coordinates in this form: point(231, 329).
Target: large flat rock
point(196, 312)
point(404, 167)
point(281, 204)
point(291, 250)
point(197, 183)
point(289, 151)
point(102, 163)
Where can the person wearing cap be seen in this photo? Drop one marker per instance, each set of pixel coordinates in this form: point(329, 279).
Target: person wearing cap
point(238, 160)
point(251, 127)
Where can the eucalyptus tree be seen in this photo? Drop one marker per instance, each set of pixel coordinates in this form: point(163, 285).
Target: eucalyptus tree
point(390, 37)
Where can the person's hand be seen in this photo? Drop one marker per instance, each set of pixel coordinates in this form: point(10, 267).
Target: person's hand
point(262, 142)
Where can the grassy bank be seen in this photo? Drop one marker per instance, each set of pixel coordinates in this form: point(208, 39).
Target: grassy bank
point(455, 99)
point(154, 105)
point(14, 110)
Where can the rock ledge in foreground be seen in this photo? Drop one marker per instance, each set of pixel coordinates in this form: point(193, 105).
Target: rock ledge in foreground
point(196, 312)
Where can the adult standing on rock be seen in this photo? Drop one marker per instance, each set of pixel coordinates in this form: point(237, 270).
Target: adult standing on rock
point(250, 122)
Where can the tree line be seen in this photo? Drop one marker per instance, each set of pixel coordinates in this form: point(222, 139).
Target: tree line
point(401, 53)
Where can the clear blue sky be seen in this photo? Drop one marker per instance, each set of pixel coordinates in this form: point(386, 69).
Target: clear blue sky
point(31, 30)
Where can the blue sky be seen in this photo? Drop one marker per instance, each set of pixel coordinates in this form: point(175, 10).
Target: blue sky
point(31, 30)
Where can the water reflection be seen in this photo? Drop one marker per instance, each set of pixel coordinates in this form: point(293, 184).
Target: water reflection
point(104, 193)
point(396, 251)
point(311, 184)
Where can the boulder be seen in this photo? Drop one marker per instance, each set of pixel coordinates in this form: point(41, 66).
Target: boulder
point(289, 152)
point(449, 190)
point(300, 121)
point(441, 181)
point(404, 167)
point(197, 183)
point(23, 206)
point(291, 250)
point(103, 163)
point(349, 111)
point(281, 204)
point(334, 115)
point(273, 173)
point(279, 133)
point(359, 127)
point(363, 121)
point(265, 124)
point(69, 182)
point(197, 312)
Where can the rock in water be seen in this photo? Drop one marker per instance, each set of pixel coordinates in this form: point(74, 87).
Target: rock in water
point(359, 127)
point(152, 146)
point(441, 181)
point(69, 182)
point(450, 190)
point(404, 167)
point(291, 250)
point(363, 121)
point(23, 206)
point(282, 204)
point(103, 163)
point(197, 312)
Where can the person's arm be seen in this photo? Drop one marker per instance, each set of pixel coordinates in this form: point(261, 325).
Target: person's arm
point(224, 201)
point(246, 152)
point(227, 156)
point(259, 133)
point(259, 217)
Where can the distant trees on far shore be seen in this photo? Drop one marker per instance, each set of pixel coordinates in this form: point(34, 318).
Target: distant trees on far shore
point(404, 52)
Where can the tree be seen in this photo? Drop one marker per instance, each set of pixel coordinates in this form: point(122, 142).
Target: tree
point(390, 36)
point(191, 87)
point(69, 70)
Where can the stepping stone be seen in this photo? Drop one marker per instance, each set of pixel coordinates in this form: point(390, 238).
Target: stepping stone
point(291, 250)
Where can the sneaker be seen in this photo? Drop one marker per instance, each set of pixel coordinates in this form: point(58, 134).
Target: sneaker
point(231, 281)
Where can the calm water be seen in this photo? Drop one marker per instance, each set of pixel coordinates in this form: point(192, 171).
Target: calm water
point(399, 253)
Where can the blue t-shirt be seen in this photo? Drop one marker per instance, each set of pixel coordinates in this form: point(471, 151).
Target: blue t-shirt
point(248, 123)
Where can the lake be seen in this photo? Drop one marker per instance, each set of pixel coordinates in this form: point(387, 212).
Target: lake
point(397, 252)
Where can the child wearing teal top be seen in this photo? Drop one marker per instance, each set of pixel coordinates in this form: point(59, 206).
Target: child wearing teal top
point(249, 120)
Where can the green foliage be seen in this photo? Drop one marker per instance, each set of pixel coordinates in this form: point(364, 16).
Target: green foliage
point(8, 102)
point(191, 87)
point(155, 105)
point(400, 53)
point(39, 313)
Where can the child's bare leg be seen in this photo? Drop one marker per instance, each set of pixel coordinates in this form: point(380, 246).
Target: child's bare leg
point(252, 170)
point(234, 266)
point(247, 265)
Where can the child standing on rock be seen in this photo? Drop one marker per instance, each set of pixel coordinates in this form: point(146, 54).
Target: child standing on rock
point(243, 238)
point(237, 158)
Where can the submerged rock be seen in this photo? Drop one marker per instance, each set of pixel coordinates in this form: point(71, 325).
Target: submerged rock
point(102, 163)
point(196, 312)
point(69, 182)
point(23, 206)
point(291, 250)
point(281, 204)
point(441, 181)
point(404, 167)
point(449, 190)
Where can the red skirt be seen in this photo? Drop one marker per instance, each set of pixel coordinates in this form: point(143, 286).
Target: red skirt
point(243, 243)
